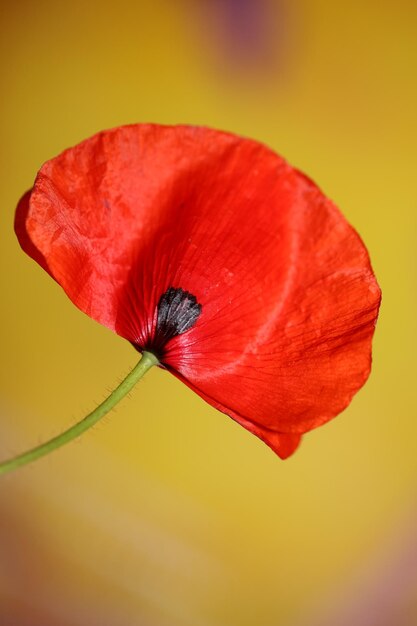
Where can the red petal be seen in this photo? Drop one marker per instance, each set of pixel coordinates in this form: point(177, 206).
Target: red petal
point(289, 300)
point(284, 444)
point(26, 242)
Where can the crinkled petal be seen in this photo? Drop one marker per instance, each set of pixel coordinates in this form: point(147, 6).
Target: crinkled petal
point(283, 444)
point(288, 297)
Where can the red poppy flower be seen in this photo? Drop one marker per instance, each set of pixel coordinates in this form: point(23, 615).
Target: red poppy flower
point(212, 252)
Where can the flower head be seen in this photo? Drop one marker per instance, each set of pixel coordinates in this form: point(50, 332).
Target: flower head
point(213, 253)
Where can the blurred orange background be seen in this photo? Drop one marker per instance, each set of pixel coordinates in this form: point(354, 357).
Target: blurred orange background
point(168, 513)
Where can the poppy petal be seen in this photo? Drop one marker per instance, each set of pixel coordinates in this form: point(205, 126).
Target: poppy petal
point(213, 252)
point(22, 233)
point(283, 444)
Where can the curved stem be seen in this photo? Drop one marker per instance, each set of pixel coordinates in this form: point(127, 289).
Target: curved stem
point(146, 362)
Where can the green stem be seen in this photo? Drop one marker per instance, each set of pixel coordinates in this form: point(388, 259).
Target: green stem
point(146, 362)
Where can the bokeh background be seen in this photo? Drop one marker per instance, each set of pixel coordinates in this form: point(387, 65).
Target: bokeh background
point(168, 513)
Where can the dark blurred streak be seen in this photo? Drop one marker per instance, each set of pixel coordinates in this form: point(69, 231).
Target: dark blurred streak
point(245, 26)
point(383, 591)
point(23, 565)
point(248, 35)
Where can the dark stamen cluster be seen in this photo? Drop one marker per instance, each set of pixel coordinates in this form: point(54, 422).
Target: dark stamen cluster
point(178, 311)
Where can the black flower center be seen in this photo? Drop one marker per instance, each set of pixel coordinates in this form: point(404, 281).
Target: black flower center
point(177, 312)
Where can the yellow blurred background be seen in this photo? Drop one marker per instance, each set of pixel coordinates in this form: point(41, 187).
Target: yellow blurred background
point(168, 513)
